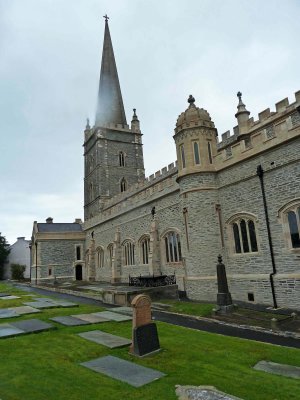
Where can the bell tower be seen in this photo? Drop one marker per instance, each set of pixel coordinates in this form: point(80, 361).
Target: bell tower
point(113, 153)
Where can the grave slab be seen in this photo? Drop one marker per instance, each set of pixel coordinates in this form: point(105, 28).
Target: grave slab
point(278, 369)
point(106, 339)
point(122, 310)
point(202, 393)
point(32, 325)
point(4, 294)
point(7, 313)
point(41, 304)
point(9, 297)
point(91, 318)
point(69, 321)
point(24, 310)
point(44, 299)
point(122, 370)
point(65, 304)
point(7, 330)
point(113, 316)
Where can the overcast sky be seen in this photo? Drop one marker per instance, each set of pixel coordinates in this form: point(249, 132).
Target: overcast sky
point(50, 54)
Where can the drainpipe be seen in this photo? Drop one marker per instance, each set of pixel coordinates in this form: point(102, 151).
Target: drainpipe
point(260, 174)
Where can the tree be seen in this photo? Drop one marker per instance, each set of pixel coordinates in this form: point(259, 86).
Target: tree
point(4, 252)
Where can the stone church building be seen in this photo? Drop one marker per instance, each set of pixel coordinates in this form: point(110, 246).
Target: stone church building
point(237, 195)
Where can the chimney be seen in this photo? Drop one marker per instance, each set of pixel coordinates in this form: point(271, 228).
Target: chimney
point(78, 221)
point(49, 220)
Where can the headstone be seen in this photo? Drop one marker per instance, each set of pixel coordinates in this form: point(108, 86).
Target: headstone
point(113, 316)
point(278, 369)
point(69, 321)
point(144, 331)
point(32, 325)
point(105, 339)
point(91, 318)
point(122, 370)
point(202, 393)
point(224, 300)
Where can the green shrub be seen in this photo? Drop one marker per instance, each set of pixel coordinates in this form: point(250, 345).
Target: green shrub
point(17, 271)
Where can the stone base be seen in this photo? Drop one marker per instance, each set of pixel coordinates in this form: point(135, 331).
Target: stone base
point(225, 309)
point(224, 299)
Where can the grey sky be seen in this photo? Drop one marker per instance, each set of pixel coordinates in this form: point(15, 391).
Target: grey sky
point(50, 53)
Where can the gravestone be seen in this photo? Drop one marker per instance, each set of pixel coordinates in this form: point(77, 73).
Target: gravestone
point(105, 339)
point(224, 300)
point(144, 331)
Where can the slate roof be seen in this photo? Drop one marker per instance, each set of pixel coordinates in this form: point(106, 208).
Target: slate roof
point(59, 227)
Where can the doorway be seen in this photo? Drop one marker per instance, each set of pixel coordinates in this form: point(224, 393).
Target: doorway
point(78, 272)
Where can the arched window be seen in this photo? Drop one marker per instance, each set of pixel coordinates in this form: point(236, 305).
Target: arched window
point(99, 258)
point(145, 248)
point(172, 247)
point(182, 156)
point(244, 235)
point(121, 159)
point(209, 152)
point(128, 253)
point(290, 218)
point(110, 253)
point(294, 227)
point(196, 153)
point(123, 185)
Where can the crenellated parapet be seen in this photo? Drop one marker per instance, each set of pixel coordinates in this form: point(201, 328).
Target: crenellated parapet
point(270, 129)
point(160, 183)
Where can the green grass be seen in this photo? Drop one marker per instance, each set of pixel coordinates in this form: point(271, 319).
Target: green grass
point(189, 308)
point(45, 366)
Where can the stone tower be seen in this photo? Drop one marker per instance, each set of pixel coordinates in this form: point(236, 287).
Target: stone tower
point(113, 154)
point(196, 146)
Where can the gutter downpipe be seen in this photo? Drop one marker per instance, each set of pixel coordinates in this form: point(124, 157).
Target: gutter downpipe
point(260, 174)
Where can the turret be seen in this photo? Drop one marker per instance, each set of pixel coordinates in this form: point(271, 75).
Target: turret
point(195, 138)
point(242, 115)
point(135, 123)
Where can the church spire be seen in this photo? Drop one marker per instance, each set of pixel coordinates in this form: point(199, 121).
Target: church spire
point(110, 108)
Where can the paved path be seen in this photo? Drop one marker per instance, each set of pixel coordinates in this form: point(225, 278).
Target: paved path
point(187, 322)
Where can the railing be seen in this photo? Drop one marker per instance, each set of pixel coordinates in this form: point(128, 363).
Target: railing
point(152, 281)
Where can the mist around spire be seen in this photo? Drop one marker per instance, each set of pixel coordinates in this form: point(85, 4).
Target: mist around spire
point(110, 108)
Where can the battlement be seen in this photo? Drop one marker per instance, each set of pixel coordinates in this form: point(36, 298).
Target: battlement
point(151, 187)
point(271, 129)
point(265, 117)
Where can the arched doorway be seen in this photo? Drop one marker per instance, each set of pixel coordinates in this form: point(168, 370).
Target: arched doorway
point(78, 272)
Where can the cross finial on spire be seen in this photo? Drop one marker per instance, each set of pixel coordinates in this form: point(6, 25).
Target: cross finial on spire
point(191, 100)
point(106, 17)
point(239, 95)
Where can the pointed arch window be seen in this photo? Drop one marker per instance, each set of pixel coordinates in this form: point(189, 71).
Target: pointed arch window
point(244, 235)
point(121, 159)
point(99, 257)
point(209, 152)
point(128, 253)
point(145, 249)
point(123, 185)
point(172, 247)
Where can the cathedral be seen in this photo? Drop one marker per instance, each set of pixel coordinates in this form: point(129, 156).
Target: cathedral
point(237, 195)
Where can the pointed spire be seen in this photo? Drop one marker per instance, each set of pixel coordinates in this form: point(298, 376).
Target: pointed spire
point(110, 108)
point(242, 115)
point(135, 123)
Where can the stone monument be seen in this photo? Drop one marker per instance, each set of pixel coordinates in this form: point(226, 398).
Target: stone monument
point(144, 331)
point(224, 300)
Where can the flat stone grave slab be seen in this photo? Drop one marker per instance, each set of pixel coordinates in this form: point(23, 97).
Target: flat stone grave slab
point(24, 310)
point(44, 299)
point(69, 321)
point(7, 313)
point(7, 330)
point(32, 325)
point(122, 310)
point(65, 304)
point(4, 294)
point(9, 297)
point(122, 370)
point(278, 369)
point(91, 318)
point(106, 339)
point(113, 316)
point(202, 393)
point(41, 304)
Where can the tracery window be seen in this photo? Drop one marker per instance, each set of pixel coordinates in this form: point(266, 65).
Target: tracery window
point(121, 159)
point(145, 248)
point(293, 217)
point(123, 185)
point(244, 235)
point(99, 258)
point(128, 253)
point(172, 247)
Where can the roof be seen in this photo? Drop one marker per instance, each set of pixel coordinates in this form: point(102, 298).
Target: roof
point(59, 227)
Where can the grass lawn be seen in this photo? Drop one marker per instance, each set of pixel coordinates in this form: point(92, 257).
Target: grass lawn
point(189, 308)
point(45, 366)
